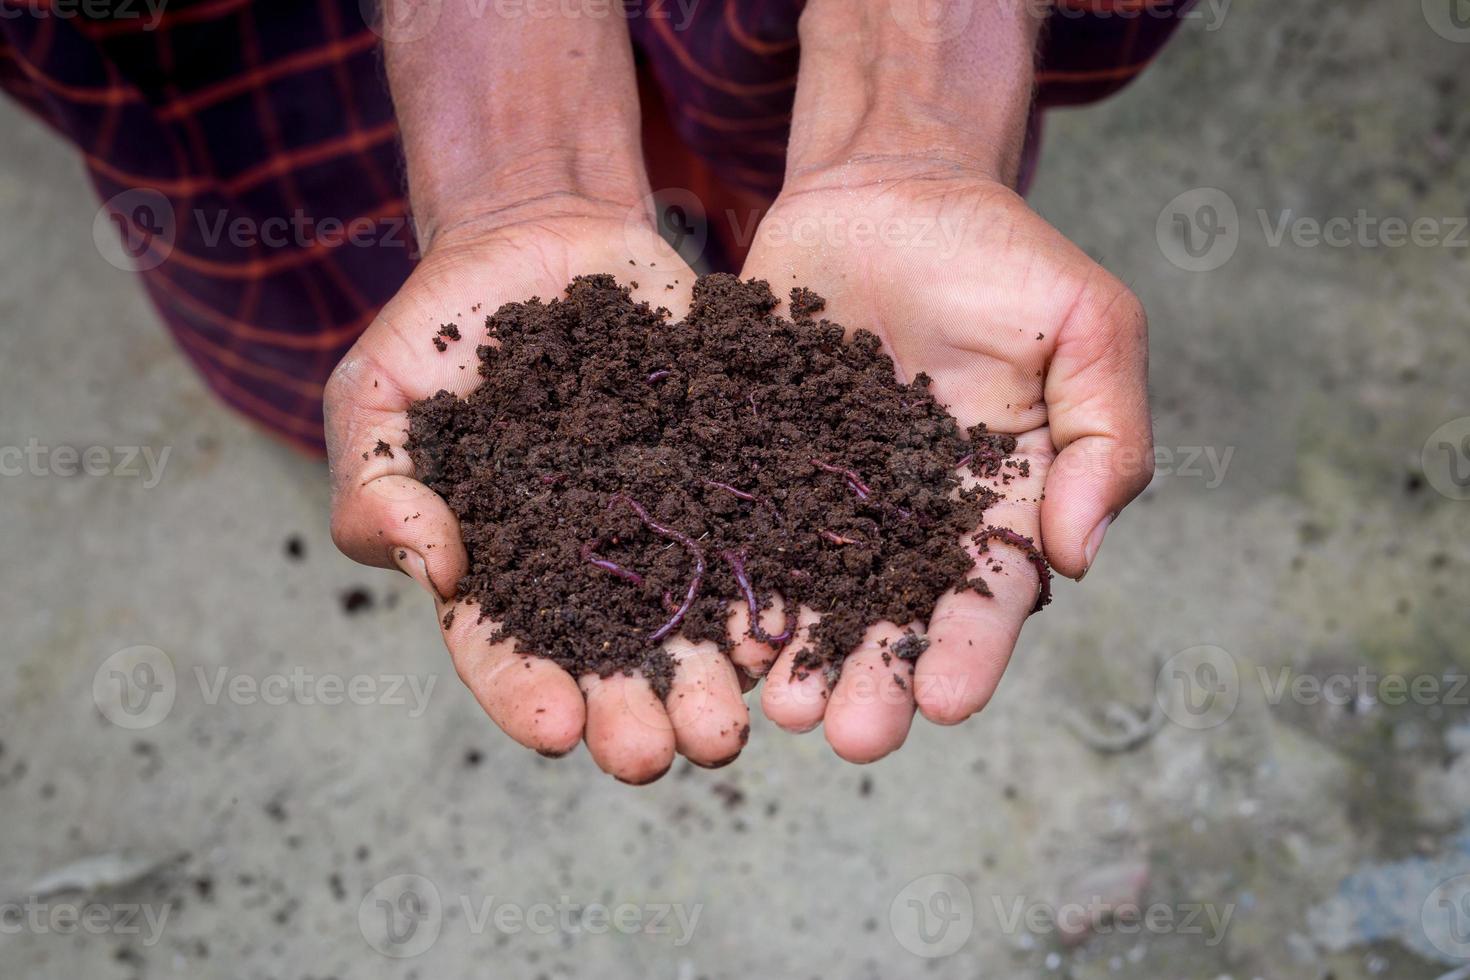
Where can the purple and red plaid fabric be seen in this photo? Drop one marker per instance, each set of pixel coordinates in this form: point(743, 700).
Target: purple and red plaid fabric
point(248, 148)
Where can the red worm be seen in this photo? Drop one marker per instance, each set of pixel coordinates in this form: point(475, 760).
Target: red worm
point(1037, 559)
point(736, 561)
point(689, 544)
point(732, 491)
point(836, 538)
point(591, 558)
point(853, 480)
point(856, 485)
point(750, 497)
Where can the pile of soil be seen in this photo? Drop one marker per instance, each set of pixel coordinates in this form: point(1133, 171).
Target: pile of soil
point(620, 478)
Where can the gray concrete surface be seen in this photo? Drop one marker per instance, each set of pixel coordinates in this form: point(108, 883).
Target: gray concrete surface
point(263, 830)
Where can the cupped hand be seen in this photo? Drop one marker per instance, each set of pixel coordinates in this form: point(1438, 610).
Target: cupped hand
point(1018, 329)
point(382, 515)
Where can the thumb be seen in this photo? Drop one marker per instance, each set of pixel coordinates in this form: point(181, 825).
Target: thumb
point(381, 514)
point(395, 521)
point(1097, 408)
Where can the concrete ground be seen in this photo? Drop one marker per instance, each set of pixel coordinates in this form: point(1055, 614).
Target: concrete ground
point(1162, 735)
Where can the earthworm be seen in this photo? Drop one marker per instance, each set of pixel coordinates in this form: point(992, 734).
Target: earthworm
point(863, 491)
point(658, 375)
point(752, 498)
point(1037, 559)
point(689, 544)
point(989, 457)
point(853, 480)
point(590, 557)
point(732, 491)
point(736, 561)
point(836, 538)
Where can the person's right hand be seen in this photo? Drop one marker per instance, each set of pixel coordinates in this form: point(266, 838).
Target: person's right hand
point(381, 515)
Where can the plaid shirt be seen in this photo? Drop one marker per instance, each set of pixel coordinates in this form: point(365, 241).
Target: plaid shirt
point(247, 152)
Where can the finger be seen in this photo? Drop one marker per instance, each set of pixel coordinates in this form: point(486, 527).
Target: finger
point(704, 705)
point(533, 700)
point(872, 706)
point(366, 399)
point(1097, 407)
point(628, 732)
point(397, 521)
point(381, 515)
point(756, 656)
point(970, 635)
point(795, 700)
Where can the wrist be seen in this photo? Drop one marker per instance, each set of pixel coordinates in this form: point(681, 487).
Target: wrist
point(880, 84)
point(537, 184)
point(500, 106)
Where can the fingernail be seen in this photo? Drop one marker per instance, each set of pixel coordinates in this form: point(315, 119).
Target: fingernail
point(411, 563)
point(1094, 542)
point(644, 782)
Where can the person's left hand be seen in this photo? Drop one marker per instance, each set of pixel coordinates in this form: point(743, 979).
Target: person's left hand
point(1018, 329)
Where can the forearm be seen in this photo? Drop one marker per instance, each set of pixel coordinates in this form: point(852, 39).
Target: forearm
point(878, 82)
point(502, 104)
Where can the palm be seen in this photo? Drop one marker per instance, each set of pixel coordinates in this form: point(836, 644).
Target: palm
point(383, 516)
point(960, 291)
point(963, 282)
